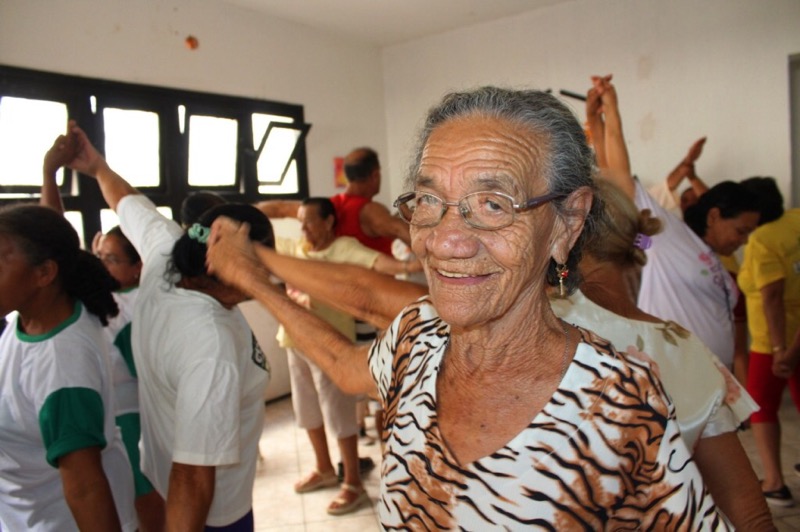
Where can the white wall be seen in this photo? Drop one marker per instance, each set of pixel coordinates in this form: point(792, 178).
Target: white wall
point(241, 53)
point(683, 69)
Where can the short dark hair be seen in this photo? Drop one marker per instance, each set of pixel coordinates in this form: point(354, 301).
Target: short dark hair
point(197, 203)
point(189, 256)
point(732, 199)
point(363, 165)
point(324, 207)
point(130, 252)
point(768, 197)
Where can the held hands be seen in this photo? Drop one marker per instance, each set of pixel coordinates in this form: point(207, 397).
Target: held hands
point(695, 150)
point(61, 152)
point(75, 151)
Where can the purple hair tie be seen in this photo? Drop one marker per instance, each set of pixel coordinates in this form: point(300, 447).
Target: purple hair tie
point(642, 241)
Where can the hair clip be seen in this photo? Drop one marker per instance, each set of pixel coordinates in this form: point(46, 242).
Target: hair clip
point(642, 241)
point(199, 233)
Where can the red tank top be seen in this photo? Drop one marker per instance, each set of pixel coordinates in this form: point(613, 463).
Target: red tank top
point(348, 210)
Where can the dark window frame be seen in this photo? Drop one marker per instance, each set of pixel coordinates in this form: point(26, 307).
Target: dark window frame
point(76, 93)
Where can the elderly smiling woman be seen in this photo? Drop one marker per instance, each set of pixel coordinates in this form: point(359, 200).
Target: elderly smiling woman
point(498, 414)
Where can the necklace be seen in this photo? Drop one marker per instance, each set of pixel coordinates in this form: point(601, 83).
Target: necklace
point(565, 357)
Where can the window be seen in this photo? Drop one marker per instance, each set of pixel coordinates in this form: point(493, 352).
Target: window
point(167, 143)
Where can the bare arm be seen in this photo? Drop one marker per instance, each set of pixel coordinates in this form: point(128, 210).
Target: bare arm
point(279, 208)
point(619, 167)
point(772, 302)
point(87, 491)
point(730, 478)
point(391, 266)
point(88, 161)
point(60, 153)
point(365, 294)
point(594, 121)
point(376, 220)
point(685, 168)
point(232, 257)
point(191, 490)
point(785, 363)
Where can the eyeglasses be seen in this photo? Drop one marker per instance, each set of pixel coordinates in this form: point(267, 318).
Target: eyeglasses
point(482, 210)
point(111, 260)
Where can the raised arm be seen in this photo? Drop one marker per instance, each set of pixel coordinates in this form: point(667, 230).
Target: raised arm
point(232, 258)
point(60, 153)
point(376, 220)
point(619, 167)
point(596, 127)
point(279, 208)
point(685, 168)
point(88, 161)
point(365, 294)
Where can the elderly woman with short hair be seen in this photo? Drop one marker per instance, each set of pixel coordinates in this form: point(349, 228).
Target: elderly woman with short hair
point(498, 414)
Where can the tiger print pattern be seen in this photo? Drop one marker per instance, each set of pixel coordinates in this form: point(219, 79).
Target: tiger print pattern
point(604, 454)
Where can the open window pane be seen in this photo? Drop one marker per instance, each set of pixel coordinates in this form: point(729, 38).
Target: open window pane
point(212, 151)
point(289, 185)
point(27, 130)
point(261, 122)
point(132, 145)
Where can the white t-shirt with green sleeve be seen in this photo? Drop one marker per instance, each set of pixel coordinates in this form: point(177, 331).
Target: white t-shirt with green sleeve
point(56, 397)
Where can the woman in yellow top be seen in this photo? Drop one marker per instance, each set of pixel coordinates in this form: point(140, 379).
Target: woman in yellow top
point(770, 280)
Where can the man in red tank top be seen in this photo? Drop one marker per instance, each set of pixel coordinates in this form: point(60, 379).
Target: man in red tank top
point(360, 217)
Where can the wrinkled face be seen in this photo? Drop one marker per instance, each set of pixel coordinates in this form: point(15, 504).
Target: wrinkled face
point(726, 235)
point(478, 276)
point(17, 276)
point(317, 231)
point(111, 251)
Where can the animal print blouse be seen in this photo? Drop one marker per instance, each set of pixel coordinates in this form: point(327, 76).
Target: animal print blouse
point(604, 454)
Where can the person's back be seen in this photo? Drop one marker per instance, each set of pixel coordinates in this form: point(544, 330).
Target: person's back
point(348, 209)
point(200, 393)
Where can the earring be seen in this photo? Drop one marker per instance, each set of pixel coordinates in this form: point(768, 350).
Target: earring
point(561, 272)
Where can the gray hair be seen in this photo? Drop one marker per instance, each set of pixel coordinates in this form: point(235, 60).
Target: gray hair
point(567, 164)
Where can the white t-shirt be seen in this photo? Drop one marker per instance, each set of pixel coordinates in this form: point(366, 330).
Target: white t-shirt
point(201, 373)
point(118, 330)
point(708, 399)
point(684, 281)
point(41, 377)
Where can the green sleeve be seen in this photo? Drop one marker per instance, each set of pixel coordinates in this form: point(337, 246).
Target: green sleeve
point(71, 419)
point(123, 343)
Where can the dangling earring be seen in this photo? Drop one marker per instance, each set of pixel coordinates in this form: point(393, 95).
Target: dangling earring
point(561, 272)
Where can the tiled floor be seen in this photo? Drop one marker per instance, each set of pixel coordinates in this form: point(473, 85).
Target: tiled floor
point(288, 455)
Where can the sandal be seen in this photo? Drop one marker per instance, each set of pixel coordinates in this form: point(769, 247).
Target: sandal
point(341, 505)
point(315, 481)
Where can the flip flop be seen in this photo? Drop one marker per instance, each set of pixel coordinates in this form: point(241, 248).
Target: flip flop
point(315, 481)
point(340, 506)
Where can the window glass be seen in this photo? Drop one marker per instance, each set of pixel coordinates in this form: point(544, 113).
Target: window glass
point(212, 151)
point(288, 186)
point(27, 130)
point(75, 219)
point(261, 122)
point(132, 145)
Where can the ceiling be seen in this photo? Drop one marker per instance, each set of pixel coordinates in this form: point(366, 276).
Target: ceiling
point(388, 22)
